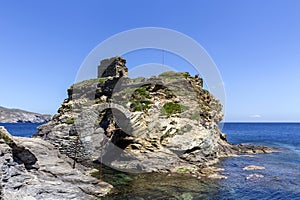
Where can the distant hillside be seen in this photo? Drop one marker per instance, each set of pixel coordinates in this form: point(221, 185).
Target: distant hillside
point(20, 116)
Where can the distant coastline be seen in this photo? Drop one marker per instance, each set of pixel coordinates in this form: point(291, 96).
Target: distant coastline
point(11, 115)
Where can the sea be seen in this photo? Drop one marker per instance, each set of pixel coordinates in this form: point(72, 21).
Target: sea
point(280, 178)
point(21, 129)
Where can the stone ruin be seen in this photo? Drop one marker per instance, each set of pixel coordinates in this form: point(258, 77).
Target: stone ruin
point(114, 67)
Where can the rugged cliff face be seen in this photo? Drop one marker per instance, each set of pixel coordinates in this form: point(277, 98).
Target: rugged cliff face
point(167, 123)
point(19, 116)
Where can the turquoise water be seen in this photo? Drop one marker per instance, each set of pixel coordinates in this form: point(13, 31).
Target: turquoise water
point(279, 180)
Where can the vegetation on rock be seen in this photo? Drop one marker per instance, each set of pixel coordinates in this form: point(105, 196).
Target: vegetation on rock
point(183, 170)
point(89, 82)
point(173, 75)
point(5, 138)
point(140, 105)
point(140, 99)
point(70, 120)
point(173, 108)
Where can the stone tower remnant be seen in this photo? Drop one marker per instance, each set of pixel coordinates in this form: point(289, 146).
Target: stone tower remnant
point(114, 66)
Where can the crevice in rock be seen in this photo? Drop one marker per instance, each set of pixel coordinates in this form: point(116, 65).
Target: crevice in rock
point(112, 122)
point(192, 150)
point(23, 155)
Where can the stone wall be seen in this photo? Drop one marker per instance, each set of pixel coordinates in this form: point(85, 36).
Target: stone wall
point(114, 66)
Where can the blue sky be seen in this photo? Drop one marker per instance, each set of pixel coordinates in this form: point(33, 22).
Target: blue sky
point(255, 44)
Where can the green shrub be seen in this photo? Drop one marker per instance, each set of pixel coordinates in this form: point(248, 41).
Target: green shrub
point(5, 138)
point(102, 80)
point(99, 120)
point(89, 82)
point(142, 92)
point(140, 105)
point(186, 74)
point(183, 170)
point(139, 99)
point(70, 120)
point(170, 74)
point(172, 108)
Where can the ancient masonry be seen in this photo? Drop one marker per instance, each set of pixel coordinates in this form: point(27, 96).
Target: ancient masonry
point(114, 66)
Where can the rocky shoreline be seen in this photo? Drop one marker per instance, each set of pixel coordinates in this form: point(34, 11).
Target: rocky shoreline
point(32, 168)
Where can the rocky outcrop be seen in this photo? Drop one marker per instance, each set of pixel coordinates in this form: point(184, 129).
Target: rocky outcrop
point(21, 116)
point(166, 123)
point(32, 168)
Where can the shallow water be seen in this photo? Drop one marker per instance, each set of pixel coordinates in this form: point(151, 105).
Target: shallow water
point(279, 180)
point(162, 186)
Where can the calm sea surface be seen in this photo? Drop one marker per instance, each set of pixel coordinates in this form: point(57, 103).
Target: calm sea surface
point(279, 180)
point(281, 177)
point(21, 129)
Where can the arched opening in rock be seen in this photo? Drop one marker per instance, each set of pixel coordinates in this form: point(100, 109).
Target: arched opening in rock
point(116, 126)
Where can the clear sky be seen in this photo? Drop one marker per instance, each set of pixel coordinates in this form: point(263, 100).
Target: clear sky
point(254, 43)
